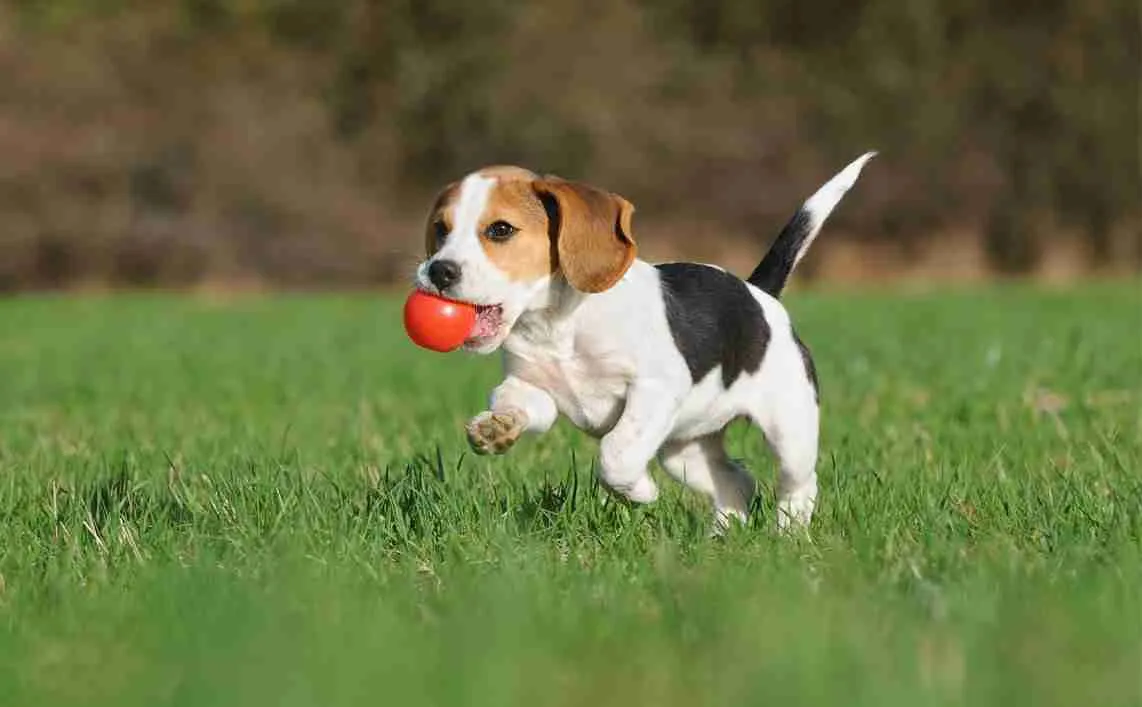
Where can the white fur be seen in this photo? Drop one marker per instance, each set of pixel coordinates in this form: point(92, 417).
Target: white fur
point(608, 363)
point(822, 203)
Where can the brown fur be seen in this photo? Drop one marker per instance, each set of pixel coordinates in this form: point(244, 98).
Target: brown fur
point(509, 173)
point(529, 254)
point(438, 212)
point(588, 237)
point(594, 241)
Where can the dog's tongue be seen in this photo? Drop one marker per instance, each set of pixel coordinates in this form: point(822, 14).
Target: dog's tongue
point(487, 322)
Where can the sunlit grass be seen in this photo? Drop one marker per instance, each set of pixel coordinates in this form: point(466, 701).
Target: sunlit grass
point(269, 502)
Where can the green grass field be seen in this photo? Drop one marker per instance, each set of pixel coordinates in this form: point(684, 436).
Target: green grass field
point(268, 501)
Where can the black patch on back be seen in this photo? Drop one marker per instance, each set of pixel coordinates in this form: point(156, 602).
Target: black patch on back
point(714, 320)
point(810, 367)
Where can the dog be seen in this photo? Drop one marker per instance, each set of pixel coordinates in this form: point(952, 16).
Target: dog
point(653, 360)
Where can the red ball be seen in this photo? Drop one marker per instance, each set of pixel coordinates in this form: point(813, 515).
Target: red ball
point(437, 323)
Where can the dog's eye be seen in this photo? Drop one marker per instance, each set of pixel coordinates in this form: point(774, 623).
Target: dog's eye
point(440, 230)
point(500, 231)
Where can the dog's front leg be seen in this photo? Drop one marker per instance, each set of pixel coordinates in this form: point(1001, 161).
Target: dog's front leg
point(626, 451)
point(516, 407)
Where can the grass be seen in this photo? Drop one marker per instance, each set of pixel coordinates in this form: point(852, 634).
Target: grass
point(269, 502)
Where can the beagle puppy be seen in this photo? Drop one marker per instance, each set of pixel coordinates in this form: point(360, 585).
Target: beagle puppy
point(653, 360)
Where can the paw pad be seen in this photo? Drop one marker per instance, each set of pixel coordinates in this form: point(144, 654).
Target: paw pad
point(494, 432)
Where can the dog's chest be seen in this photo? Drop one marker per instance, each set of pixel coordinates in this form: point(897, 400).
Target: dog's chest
point(588, 391)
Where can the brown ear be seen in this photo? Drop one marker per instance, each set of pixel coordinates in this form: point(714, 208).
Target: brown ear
point(431, 244)
point(592, 230)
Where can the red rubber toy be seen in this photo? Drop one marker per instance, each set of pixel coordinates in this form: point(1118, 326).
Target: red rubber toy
point(437, 323)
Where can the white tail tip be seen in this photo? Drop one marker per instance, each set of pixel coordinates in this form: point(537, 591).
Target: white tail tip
point(829, 195)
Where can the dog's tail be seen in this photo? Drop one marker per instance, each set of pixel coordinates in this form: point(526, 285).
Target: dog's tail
point(795, 239)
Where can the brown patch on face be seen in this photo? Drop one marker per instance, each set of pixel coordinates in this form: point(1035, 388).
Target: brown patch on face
point(440, 218)
point(529, 254)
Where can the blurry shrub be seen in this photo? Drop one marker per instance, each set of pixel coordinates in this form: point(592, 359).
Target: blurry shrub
point(295, 141)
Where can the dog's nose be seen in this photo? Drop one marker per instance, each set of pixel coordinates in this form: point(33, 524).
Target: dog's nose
point(444, 273)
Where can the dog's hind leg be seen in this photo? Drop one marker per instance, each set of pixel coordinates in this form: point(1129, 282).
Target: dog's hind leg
point(792, 430)
point(703, 465)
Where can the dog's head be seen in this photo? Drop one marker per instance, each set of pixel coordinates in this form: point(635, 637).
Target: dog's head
point(502, 236)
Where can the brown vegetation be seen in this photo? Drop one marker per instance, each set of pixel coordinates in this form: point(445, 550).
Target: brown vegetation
point(298, 143)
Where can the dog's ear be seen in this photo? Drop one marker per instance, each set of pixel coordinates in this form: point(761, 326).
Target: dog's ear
point(592, 232)
point(432, 234)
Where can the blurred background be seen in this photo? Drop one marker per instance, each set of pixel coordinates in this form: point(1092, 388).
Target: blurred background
point(297, 143)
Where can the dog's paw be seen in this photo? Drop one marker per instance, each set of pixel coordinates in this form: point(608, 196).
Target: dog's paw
point(495, 431)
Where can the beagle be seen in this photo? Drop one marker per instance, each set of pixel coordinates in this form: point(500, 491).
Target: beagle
point(653, 360)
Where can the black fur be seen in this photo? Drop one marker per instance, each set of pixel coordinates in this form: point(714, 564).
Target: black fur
point(714, 320)
point(810, 367)
point(773, 271)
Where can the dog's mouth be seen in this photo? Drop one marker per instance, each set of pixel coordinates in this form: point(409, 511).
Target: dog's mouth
point(489, 321)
